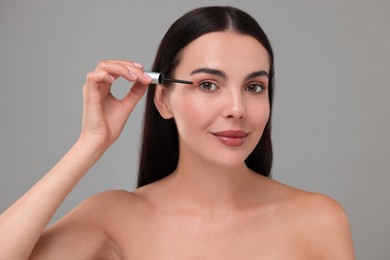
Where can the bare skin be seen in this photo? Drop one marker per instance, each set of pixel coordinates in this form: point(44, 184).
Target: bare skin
point(209, 208)
point(287, 224)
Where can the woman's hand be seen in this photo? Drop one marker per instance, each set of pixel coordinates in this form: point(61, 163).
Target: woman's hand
point(105, 116)
point(103, 120)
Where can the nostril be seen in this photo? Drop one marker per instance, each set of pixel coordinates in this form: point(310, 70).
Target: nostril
point(235, 114)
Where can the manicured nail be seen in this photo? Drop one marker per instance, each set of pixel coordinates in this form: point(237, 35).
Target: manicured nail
point(133, 75)
point(138, 65)
point(147, 76)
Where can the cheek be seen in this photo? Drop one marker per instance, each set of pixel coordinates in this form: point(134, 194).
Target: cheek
point(195, 111)
point(258, 114)
point(191, 111)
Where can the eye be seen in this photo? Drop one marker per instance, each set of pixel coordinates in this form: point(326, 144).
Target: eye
point(255, 88)
point(208, 86)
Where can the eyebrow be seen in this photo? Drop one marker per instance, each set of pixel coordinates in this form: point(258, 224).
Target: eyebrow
point(220, 73)
point(260, 73)
point(215, 72)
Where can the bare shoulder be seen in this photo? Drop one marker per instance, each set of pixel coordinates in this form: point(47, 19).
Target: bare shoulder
point(109, 205)
point(319, 218)
point(87, 227)
point(110, 198)
point(99, 207)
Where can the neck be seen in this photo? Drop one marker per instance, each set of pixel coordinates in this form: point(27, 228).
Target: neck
point(211, 188)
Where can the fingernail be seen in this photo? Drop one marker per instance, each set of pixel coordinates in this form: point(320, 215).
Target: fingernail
point(138, 65)
point(133, 75)
point(147, 76)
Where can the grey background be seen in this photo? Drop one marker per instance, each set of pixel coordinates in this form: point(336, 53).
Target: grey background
point(331, 120)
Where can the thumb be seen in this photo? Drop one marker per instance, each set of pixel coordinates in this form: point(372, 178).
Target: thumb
point(135, 94)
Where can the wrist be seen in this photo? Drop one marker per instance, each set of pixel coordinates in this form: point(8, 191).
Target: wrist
point(92, 144)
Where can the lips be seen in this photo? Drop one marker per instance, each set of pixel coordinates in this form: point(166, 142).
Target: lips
point(231, 137)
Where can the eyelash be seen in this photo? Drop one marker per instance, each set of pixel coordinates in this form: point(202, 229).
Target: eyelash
point(207, 82)
point(256, 84)
point(213, 84)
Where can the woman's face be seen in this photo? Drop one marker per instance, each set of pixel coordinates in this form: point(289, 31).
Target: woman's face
point(221, 117)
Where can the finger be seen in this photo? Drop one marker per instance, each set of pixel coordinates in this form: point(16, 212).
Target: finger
point(125, 69)
point(116, 70)
point(136, 68)
point(96, 78)
point(134, 95)
point(96, 82)
point(129, 63)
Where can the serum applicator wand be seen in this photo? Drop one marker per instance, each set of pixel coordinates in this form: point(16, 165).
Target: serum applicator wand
point(158, 78)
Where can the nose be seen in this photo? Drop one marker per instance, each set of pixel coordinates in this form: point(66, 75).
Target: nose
point(234, 105)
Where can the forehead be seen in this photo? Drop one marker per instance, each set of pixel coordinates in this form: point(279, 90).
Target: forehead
point(225, 50)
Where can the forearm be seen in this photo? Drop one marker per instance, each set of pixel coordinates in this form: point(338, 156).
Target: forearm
point(22, 224)
point(104, 117)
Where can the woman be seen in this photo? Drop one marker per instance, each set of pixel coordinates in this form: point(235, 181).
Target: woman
point(203, 188)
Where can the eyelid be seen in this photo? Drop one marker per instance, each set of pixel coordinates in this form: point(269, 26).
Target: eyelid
point(199, 84)
point(258, 82)
point(262, 86)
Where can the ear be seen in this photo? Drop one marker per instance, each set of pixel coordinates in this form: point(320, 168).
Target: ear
point(161, 102)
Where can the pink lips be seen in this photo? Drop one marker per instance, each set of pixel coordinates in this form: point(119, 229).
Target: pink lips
point(231, 137)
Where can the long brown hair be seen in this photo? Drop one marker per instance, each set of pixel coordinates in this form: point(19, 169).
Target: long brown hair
point(160, 148)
